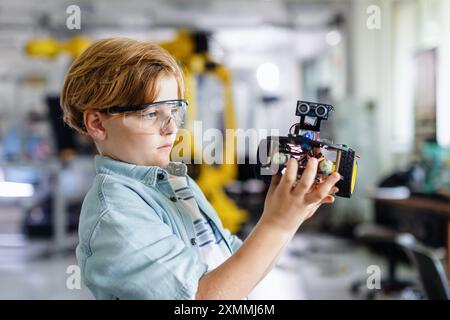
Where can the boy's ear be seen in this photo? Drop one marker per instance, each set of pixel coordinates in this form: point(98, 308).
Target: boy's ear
point(94, 126)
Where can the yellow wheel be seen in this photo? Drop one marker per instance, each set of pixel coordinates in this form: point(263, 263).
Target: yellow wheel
point(355, 171)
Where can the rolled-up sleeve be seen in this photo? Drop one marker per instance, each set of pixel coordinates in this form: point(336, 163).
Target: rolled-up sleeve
point(136, 256)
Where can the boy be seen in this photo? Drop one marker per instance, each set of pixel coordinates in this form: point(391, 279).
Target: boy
point(146, 230)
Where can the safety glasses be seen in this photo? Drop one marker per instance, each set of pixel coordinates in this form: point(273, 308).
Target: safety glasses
point(151, 118)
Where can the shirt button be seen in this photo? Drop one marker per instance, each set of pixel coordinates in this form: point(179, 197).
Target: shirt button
point(160, 176)
point(193, 241)
point(174, 199)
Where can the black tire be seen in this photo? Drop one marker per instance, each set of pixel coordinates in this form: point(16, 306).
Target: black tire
point(346, 171)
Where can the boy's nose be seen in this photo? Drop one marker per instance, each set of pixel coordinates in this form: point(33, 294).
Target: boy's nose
point(169, 126)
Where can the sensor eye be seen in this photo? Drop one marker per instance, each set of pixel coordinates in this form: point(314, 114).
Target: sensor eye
point(321, 111)
point(303, 108)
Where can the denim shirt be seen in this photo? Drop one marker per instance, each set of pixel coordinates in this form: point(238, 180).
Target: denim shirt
point(135, 241)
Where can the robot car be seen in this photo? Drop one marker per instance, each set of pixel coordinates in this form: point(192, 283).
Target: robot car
point(303, 142)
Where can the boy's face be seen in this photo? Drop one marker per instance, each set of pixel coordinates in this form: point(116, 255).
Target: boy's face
point(125, 143)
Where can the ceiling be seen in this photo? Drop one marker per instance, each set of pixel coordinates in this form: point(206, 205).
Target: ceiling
point(244, 25)
point(51, 14)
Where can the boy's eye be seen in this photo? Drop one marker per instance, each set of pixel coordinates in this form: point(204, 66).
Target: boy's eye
point(149, 115)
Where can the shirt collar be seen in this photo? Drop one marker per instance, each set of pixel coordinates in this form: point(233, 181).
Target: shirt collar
point(146, 174)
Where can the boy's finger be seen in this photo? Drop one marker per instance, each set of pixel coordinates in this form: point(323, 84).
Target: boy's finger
point(328, 199)
point(324, 189)
point(334, 190)
point(289, 176)
point(274, 182)
point(307, 180)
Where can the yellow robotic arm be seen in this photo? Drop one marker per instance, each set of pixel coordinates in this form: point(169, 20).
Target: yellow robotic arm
point(211, 179)
point(50, 48)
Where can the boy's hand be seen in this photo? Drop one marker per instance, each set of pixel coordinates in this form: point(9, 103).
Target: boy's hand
point(290, 202)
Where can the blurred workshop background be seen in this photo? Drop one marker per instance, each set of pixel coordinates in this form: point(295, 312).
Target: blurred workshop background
point(383, 64)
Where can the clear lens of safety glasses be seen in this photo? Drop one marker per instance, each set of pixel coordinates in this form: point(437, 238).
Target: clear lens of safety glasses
point(156, 116)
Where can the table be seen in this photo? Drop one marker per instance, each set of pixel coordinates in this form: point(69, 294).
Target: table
point(428, 205)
